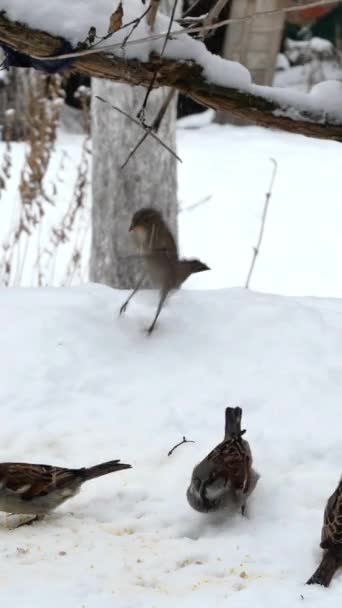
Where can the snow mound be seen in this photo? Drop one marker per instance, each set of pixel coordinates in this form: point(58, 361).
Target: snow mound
point(328, 94)
point(80, 385)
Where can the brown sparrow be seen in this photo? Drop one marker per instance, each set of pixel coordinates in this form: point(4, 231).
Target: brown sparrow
point(331, 540)
point(225, 477)
point(38, 488)
point(158, 247)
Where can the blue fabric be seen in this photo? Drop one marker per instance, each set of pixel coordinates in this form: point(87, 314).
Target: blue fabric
point(20, 60)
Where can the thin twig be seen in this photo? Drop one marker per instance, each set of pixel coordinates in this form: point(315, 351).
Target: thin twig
point(154, 126)
point(263, 220)
point(203, 201)
point(162, 111)
point(276, 11)
point(172, 18)
point(134, 23)
point(141, 113)
point(141, 126)
point(213, 15)
point(191, 8)
point(184, 440)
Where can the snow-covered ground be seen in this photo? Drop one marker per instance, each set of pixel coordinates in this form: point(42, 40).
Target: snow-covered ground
point(80, 385)
point(229, 170)
point(223, 180)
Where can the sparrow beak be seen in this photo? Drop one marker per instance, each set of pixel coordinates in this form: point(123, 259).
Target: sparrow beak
point(131, 228)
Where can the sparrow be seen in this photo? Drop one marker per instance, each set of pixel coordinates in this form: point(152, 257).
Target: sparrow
point(225, 478)
point(159, 250)
point(36, 489)
point(331, 540)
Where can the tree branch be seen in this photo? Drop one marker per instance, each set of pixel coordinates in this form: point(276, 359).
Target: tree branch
point(186, 76)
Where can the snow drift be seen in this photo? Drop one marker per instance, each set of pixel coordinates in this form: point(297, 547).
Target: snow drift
point(80, 385)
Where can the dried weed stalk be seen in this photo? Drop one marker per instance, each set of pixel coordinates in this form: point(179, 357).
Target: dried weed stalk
point(38, 230)
point(6, 165)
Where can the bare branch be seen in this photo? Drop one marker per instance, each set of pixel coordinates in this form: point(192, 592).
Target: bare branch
point(191, 8)
point(141, 113)
point(150, 132)
point(184, 440)
point(154, 126)
point(256, 249)
point(213, 15)
point(275, 11)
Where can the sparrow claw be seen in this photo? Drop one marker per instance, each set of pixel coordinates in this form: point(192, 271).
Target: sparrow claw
point(123, 309)
point(29, 522)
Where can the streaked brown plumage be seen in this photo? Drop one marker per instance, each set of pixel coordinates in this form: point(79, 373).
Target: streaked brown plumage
point(37, 489)
point(226, 476)
point(158, 247)
point(331, 540)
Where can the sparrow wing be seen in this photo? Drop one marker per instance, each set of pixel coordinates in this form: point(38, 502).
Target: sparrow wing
point(233, 461)
point(34, 480)
point(332, 524)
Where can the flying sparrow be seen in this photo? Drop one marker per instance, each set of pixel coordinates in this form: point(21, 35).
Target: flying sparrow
point(158, 247)
point(225, 477)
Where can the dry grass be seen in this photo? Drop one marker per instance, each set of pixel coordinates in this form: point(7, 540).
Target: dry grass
point(45, 243)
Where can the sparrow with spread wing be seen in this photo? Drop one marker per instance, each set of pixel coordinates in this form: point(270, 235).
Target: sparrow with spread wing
point(159, 250)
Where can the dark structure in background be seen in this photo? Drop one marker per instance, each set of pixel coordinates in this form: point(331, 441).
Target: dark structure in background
point(322, 22)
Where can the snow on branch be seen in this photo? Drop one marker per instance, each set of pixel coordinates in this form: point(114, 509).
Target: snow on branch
point(186, 65)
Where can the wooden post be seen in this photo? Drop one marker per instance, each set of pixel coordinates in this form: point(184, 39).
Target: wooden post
point(254, 42)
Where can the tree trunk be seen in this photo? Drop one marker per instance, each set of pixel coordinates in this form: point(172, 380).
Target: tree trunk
point(149, 178)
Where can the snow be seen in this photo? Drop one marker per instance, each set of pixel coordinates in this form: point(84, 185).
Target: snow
point(328, 94)
point(320, 45)
point(94, 387)
point(223, 179)
point(312, 61)
point(73, 20)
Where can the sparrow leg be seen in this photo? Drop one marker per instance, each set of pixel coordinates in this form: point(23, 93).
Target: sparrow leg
point(243, 510)
point(326, 570)
point(136, 288)
point(162, 299)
